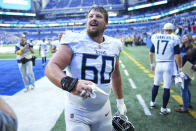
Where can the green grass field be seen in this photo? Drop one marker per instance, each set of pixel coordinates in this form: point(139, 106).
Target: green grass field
point(136, 63)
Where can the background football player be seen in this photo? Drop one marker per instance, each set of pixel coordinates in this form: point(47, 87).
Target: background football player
point(166, 49)
point(43, 49)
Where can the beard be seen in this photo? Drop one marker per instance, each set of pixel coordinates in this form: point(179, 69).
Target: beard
point(96, 33)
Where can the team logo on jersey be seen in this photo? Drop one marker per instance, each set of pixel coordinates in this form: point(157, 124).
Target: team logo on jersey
point(107, 114)
point(100, 52)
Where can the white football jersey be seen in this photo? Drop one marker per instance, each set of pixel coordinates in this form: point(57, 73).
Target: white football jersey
point(164, 46)
point(44, 48)
point(92, 61)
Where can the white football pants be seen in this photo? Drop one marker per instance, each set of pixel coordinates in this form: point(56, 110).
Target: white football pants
point(164, 70)
point(83, 120)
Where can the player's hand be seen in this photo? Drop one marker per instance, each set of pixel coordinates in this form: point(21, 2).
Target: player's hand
point(121, 106)
point(182, 75)
point(81, 88)
point(152, 67)
point(178, 80)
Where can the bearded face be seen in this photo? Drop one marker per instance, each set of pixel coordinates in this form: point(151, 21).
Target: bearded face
point(95, 23)
point(23, 39)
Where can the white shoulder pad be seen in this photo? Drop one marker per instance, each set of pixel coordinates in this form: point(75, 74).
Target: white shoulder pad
point(69, 37)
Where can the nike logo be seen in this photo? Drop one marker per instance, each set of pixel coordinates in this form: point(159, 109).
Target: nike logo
point(107, 114)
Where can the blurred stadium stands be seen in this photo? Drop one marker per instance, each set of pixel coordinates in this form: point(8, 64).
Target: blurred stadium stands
point(56, 16)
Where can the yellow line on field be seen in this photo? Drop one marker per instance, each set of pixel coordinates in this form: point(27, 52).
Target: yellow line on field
point(142, 68)
point(139, 65)
point(193, 113)
point(177, 98)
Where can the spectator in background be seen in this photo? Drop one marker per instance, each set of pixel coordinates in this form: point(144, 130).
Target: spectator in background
point(8, 119)
point(188, 53)
point(194, 27)
point(43, 48)
point(136, 39)
point(55, 44)
point(189, 28)
point(24, 53)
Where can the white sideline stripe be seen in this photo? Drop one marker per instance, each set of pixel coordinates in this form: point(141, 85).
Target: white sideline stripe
point(132, 83)
point(38, 109)
point(141, 101)
point(126, 73)
point(123, 66)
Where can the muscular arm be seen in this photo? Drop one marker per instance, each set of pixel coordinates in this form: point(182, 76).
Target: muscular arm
point(8, 120)
point(61, 59)
point(54, 72)
point(151, 55)
point(6, 108)
point(117, 82)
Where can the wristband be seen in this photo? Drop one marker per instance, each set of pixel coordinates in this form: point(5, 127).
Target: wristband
point(152, 64)
point(68, 83)
point(120, 101)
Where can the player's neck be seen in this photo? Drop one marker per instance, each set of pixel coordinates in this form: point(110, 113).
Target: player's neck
point(98, 39)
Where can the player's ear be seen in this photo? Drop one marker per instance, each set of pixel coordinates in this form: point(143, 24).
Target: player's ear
point(106, 25)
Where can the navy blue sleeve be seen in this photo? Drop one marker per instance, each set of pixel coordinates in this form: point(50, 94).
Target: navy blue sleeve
point(16, 48)
point(152, 49)
point(176, 49)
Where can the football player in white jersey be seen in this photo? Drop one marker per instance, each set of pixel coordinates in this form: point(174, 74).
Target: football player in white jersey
point(55, 44)
point(43, 48)
point(94, 62)
point(166, 49)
